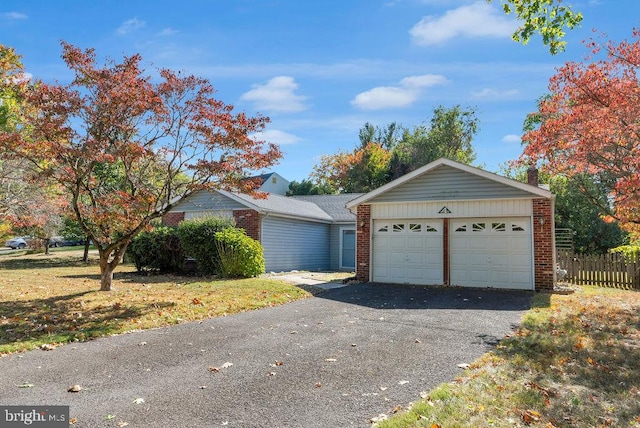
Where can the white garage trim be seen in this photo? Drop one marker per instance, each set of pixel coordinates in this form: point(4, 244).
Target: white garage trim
point(407, 251)
point(491, 252)
point(453, 209)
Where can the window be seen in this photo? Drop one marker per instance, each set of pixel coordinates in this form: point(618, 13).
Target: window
point(431, 229)
point(398, 227)
point(498, 227)
point(415, 227)
point(384, 228)
point(478, 227)
point(462, 228)
point(517, 228)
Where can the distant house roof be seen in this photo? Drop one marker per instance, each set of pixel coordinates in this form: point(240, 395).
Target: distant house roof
point(334, 205)
point(261, 178)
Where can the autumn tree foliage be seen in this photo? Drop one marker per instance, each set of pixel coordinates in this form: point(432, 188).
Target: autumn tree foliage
point(387, 153)
point(125, 146)
point(590, 124)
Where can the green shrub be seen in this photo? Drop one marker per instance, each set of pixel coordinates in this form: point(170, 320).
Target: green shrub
point(239, 254)
point(198, 238)
point(629, 251)
point(157, 250)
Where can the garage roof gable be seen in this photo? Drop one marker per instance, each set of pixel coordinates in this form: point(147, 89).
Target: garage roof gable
point(445, 179)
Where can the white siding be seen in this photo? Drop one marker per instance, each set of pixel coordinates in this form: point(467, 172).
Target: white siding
point(458, 209)
point(294, 244)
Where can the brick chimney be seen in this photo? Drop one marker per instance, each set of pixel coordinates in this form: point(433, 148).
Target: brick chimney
point(532, 176)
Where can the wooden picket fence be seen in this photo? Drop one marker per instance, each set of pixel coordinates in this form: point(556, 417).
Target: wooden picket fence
point(613, 270)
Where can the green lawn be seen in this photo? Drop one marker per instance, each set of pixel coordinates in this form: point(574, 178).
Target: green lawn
point(54, 299)
point(574, 362)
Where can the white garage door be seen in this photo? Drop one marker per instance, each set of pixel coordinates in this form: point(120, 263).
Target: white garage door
point(491, 253)
point(407, 251)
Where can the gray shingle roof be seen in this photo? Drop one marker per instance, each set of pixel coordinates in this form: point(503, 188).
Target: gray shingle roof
point(287, 206)
point(333, 205)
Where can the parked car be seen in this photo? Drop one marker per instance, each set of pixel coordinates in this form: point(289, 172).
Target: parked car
point(56, 241)
point(59, 241)
point(17, 242)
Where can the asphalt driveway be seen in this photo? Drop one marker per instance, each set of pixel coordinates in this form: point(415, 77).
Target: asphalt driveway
point(336, 359)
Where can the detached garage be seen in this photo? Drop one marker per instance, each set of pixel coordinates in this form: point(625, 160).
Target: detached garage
point(453, 224)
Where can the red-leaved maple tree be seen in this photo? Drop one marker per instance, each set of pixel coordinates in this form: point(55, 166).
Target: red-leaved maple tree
point(125, 146)
point(590, 124)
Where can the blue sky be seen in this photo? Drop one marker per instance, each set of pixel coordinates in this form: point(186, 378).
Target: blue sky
point(321, 69)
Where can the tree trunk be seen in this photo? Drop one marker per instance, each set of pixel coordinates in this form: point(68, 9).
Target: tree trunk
point(106, 276)
point(85, 256)
point(109, 260)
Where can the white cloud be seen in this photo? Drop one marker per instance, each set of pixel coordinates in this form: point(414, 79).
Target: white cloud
point(511, 138)
point(488, 93)
point(278, 94)
point(167, 32)
point(130, 25)
point(479, 19)
point(402, 95)
point(276, 136)
point(14, 15)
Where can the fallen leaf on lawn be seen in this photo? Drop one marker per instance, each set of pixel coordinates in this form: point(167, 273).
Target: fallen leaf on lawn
point(227, 365)
point(435, 426)
point(318, 385)
point(383, 388)
point(73, 421)
point(294, 332)
point(109, 417)
point(424, 394)
point(26, 385)
point(142, 343)
point(122, 424)
point(138, 401)
point(464, 366)
point(418, 341)
point(214, 369)
point(272, 373)
point(195, 301)
point(74, 388)
point(530, 416)
point(279, 363)
point(330, 360)
point(397, 408)
point(203, 386)
point(354, 345)
point(403, 382)
point(47, 347)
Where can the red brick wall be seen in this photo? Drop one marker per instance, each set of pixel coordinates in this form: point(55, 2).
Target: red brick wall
point(363, 242)
point(543, 245)
point(249, 220)
point(172, 218)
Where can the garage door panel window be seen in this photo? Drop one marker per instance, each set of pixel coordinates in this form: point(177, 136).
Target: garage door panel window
point(498, 227)
point(398, 227)
point(478, 227)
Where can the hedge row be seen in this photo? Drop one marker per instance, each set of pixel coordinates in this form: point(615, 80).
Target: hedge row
point(216, 246)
